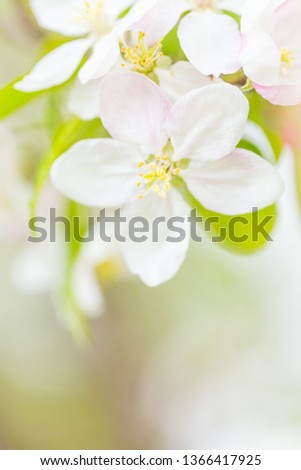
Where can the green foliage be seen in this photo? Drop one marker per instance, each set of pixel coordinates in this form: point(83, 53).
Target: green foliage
point(244, 240)
point(262, 113)
point(74, 318)
point(11, 99)
point(171, 46)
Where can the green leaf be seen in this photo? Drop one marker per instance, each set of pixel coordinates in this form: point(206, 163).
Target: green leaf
point(11, 99)
point(171, 46)
point(67, 135)
point(74, 318)
point(242, 237)
point(263, 114)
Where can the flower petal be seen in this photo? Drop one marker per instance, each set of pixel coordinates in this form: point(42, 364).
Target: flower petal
point(156, 262)
point(236, 6)
point(255, 135)
point(56, 67)
point(82, 100)
point(114, 9)
point(182, 78)
point(261, 58)
point(254, 14)
point(159, 20)
point(133, 109)
point(85, 286)
point(59, 16)
point(104, 56)
point(208, 123)
point(136, 13)
point(235, 184)
point(211, 41)
point(98, 172)
point(280, 95)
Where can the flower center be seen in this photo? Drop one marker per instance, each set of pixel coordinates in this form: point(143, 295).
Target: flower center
point(93, 16)
point(141, 57)
point(206, 4)
point(287, 59)
point(108, 272)
point(156, 174)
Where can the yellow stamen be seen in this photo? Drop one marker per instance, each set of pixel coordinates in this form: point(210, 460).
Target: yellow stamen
point(141, 57)
point(158, 175)
point(287, 59)
point(92, 15)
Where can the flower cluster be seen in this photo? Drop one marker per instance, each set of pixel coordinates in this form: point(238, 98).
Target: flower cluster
point(266, 47)
point(174, 118)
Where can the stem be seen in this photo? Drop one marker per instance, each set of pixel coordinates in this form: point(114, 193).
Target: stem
point(247, 87)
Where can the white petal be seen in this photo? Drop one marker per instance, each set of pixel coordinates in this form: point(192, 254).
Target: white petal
point(104, 56)
point(136, 13)
point(261, 58)
point(236, 6)
point(86, 288)
point(56, 67)
point(182, 78)
point(98, 172)
point(254, 14)
point(160, 20)
point(59, 16)
point(83, 100)
point(256, 136)
point(133, 109)
point(114, 8)
point(235, 184)
point(208, 123)
point(156, 262)
point(211, 41)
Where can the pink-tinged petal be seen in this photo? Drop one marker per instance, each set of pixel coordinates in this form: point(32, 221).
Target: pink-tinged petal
point(133, 109)
point(56, 67)
point(182, 78)
point(211, 41)
point(160, 20)
point(261, 58)
point(155, 262)
point(280, 95)
point(235, 184)
point(104, 56)
point(285, 26)
point(60, 16)
point(254, 13)
point(98, 172)
point(208, 123)
point(136, 13)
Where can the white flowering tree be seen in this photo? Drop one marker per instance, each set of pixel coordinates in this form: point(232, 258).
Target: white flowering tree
point(161, 107)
